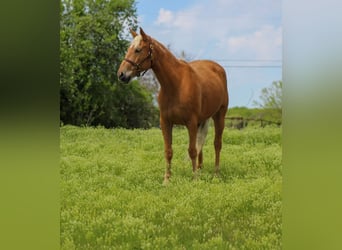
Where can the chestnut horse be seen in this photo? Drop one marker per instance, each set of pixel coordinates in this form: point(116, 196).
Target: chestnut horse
point(190, 93)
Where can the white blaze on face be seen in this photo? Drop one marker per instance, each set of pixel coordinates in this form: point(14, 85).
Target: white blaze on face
point(136, 41)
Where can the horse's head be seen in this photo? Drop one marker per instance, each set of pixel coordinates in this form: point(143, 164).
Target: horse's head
point(138, 57)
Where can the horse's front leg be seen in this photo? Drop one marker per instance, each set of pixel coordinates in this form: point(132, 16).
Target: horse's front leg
point(167, 134)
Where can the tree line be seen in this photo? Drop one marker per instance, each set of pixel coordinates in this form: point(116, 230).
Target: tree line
point(92, 45)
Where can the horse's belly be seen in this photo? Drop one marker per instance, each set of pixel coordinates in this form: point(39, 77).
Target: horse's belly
point(175, 114)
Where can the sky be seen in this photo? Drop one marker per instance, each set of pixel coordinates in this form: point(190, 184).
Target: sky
point(245, 37)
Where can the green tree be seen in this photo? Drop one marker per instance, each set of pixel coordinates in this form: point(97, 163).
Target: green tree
point(135, 106)
point(92, 44)
point(271, 97)
point(271, 101)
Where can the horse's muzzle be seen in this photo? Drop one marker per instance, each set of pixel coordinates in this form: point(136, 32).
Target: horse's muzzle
point(122, 77)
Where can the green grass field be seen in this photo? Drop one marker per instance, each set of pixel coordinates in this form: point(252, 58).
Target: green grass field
point(112, 195)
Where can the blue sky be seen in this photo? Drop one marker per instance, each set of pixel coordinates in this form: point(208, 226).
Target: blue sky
point(243, 36)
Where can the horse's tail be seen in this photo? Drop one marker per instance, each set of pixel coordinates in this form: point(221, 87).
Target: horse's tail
point(201, 135)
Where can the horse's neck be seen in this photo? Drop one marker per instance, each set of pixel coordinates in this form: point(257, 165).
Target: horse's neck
point(166, 66)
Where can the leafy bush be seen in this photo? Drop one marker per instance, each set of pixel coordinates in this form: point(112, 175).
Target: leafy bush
point(91, 49)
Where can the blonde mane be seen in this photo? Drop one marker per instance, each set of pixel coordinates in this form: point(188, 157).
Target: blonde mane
point(136, 41)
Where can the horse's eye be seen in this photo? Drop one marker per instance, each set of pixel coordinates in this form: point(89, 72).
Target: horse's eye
point(137, 50)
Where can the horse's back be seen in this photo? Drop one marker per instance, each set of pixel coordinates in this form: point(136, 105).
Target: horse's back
point(211, 79)
point(207, 69)
point(211, 74)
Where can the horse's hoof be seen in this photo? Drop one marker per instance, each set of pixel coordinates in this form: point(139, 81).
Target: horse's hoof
point(166, 182)
point(196, 175)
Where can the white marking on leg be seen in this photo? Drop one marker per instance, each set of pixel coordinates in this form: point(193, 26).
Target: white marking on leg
point(201, 135)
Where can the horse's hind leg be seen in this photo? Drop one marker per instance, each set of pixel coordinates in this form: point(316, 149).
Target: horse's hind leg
point(200, 140)
point(219, 126)
point(200, 159)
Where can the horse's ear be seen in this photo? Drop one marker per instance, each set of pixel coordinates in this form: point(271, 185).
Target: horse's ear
point(134, 34)
point(142, 33)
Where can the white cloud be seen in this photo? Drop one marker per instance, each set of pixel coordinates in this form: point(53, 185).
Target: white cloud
point(224, 29)
point(165, 17)
point(182, 20)
point(264, 43)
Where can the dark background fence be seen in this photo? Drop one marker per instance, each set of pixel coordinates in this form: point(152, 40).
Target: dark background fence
point(240, 122)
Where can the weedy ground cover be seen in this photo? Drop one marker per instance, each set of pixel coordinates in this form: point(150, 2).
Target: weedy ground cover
point(112, 195)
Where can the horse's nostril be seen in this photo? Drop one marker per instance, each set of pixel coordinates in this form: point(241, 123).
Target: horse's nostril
point(124, 78)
